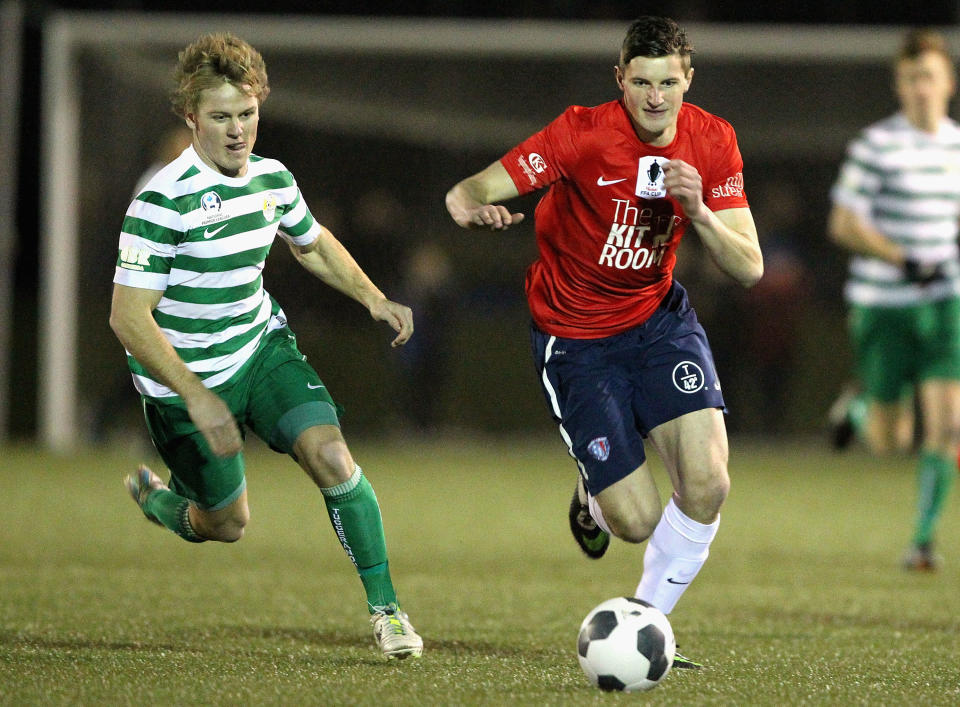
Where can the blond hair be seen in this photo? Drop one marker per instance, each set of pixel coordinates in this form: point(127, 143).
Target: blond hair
point(211, 61)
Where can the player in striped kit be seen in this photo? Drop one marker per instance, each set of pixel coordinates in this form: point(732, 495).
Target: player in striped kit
point(896, 208)
point(210, 350)
point(621, 355)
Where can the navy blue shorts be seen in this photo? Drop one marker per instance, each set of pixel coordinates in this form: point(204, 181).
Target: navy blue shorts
point(607, 394)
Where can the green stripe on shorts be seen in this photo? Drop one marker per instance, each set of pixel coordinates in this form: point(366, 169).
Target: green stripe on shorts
point(300, 418)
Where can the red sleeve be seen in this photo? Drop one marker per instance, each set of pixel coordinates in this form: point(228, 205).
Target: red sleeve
point(723, 186)
point(544, 157)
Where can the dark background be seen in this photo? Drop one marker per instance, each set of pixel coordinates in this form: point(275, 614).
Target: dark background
point(780, 348)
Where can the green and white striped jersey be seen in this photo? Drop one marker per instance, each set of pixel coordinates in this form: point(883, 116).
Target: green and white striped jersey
point(906, 183)
point(202, 238)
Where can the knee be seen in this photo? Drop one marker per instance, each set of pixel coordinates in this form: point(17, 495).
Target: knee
point(701, 500)
point(325, 457)
point(942, 433)
point(885, 437)
point(229, 532)
point(882, 445)
point(225, 529)
point(328, 464)
point(635, 526)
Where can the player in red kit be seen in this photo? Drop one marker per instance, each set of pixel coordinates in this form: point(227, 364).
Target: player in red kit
point(621, 355)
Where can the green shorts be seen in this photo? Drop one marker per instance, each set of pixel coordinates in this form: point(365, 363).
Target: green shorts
point(278, 395)
point(898, 347)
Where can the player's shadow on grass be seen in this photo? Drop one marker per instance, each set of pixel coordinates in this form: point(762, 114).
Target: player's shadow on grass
point(326, 639)
point(15, 639)
point(308, 636)
point(322, 639)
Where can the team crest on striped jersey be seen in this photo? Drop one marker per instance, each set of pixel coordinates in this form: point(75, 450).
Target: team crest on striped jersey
point(270, 206)
point(213, 211)
point(211, 203)
point(599, 449)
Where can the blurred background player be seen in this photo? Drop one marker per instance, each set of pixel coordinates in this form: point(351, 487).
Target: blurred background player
point(171, 144)
point(210, 350)
point(116, 394)
point(619, 350)
point(896, 208)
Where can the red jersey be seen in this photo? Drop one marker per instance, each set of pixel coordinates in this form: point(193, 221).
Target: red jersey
point(606, 230)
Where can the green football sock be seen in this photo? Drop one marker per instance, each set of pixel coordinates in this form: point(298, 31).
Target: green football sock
point(355, 515)
point(934, 479)
point(173, 511)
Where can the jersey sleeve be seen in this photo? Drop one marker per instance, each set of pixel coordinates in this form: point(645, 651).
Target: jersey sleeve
point(860, 178)
point(152, 228)
point(544, 157)
point(297, 225)
point(723, 185)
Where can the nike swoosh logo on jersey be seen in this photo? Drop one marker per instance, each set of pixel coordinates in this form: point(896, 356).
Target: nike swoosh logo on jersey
point(314, 387)
point(601, 182)
point(207, 233)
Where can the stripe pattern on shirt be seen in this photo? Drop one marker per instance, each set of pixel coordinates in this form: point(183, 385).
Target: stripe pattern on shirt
point(203, 238)
point(906, 183)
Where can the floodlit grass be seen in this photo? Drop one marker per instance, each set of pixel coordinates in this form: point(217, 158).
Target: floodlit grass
point(801, 602)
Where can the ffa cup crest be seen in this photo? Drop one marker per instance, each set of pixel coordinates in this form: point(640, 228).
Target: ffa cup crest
point(650, 178)
point(269, 207)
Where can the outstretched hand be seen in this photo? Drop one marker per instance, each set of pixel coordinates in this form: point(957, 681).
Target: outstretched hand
point(397, 315)
point(492, 217)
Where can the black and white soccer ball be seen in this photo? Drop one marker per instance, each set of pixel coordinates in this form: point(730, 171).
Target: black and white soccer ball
point(626, 644)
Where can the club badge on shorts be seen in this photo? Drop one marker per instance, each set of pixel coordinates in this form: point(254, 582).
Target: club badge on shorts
point(599, 449)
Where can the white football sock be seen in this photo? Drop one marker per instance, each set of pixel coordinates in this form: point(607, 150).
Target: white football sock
point(597, 514)
point(675, 553)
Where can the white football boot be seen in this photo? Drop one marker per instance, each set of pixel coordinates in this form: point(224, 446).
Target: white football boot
point(395, 635)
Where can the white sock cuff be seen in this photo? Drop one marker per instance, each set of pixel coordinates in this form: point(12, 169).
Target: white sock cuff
point(687, 527)
point(347, 486)
point(597, 514)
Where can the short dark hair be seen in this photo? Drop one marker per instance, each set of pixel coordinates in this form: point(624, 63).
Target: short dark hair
point(921, 40)
point(655, 36)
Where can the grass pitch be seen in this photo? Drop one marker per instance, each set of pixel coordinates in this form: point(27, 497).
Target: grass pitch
point(801, 602)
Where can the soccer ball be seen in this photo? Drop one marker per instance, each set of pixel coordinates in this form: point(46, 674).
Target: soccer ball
point(626, 644)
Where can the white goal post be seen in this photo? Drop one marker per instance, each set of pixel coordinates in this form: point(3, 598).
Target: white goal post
point(67, 34)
